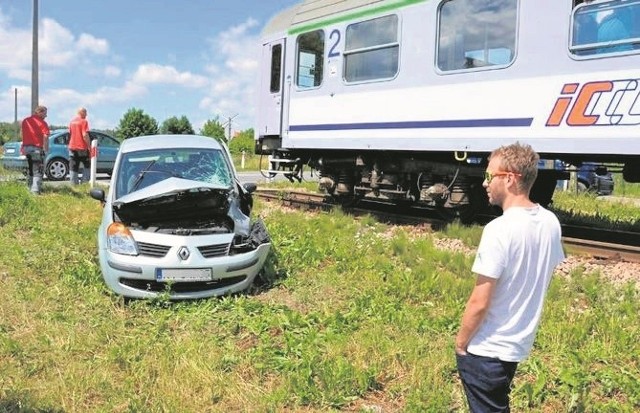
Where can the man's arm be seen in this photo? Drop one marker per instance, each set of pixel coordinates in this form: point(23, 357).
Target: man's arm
point(85, 135)
point(475, 312)
point(87, 141)
point(45, 137)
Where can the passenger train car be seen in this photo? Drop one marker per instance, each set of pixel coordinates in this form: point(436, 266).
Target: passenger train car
point(403, 100)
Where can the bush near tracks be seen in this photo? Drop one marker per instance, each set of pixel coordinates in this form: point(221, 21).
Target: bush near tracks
point(359, 316)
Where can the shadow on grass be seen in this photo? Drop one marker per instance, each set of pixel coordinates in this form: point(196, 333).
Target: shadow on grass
point(18, 406)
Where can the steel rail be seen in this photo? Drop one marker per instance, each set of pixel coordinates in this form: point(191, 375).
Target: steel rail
point(604, 250)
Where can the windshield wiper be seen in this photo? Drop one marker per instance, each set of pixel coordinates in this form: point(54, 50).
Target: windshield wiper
point(141, 175)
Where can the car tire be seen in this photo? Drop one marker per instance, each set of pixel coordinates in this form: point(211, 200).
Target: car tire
point(57, 169)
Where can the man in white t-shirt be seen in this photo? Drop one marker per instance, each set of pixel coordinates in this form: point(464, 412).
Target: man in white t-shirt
point(516, 257)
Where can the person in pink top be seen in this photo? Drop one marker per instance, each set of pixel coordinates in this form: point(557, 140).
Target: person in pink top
point(35, 143)
point(79, 145)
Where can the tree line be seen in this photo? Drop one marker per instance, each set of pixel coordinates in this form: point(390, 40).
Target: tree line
point(135, 122)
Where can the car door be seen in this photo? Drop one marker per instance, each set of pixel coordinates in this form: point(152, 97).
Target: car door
point(107, 151)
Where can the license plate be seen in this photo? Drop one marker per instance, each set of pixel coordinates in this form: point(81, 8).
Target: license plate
point(183, 274)
point(11, 150)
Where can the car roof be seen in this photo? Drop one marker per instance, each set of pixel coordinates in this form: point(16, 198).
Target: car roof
point(140, 143)
point(56, 132)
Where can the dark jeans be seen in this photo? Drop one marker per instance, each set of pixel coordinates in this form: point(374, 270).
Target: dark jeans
point(486, 382)
point(78, 157)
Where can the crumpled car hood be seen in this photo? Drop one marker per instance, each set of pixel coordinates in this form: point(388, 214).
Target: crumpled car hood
point(171, 198)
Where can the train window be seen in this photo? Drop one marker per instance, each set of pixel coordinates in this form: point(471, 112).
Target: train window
point(371, 49)
point(310, 59)
point(276, 66)
point(476, 34)
point(605, 27)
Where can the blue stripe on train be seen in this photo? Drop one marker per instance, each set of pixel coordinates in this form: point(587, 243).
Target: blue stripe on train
point(463, 123)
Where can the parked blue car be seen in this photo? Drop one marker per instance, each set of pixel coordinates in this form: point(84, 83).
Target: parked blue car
point(591, 176)
point(57, 159)
point(595, 177)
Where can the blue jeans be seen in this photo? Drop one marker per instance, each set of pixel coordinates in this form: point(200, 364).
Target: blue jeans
point(486, 382)
point(35, 161)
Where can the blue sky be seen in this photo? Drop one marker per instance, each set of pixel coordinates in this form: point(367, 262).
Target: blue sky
point(197, 58)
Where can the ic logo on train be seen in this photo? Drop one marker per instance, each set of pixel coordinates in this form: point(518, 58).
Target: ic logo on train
point(602, 103)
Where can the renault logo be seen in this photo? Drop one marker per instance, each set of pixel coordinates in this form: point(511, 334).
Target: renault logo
point(183, 253)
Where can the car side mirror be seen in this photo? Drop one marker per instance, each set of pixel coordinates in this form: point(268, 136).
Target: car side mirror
point(97, 194)
point(250, 187)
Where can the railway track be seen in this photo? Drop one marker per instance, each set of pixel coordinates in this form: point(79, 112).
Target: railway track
point(599, 243)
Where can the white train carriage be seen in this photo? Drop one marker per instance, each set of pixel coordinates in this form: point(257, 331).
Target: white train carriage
point(404, 99)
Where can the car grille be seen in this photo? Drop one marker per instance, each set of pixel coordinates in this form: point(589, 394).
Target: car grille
point(216, 250)
point(159, 251)
point(152, 250)
point(181, 287)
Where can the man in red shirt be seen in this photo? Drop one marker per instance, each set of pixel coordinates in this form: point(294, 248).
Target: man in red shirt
point(35, 143)
point(79, 145)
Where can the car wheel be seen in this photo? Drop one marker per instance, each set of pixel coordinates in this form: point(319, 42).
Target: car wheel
point(57, 169)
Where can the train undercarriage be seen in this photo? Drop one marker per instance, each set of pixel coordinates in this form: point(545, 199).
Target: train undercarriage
point(449, 182)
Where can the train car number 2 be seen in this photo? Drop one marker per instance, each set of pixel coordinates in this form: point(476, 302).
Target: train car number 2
point(335, 38)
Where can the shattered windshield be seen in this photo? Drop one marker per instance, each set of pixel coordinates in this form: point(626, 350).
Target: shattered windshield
point(141, 169)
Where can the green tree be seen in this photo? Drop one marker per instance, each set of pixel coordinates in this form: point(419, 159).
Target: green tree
point(136, 123)
point(176, 126)
point(244, 141)
point(9, 132)
point(214, 129)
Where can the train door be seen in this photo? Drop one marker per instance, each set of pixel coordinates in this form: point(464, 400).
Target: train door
point(271, 89)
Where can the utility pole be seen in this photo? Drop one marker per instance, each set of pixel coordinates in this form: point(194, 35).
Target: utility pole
point(15, 114)
point(34, 59)
point(229, 119)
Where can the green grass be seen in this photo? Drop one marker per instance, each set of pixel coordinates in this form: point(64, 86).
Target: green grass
point(251, 162)
point(359, 314)
point(586, 208)
point(625, 189)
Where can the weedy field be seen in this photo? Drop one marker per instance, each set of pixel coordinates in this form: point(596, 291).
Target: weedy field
point(354, 315)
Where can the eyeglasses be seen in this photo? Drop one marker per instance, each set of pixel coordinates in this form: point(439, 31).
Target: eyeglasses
point(488, 176)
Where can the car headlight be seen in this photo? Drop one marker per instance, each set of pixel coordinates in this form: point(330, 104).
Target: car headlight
point(120, 240)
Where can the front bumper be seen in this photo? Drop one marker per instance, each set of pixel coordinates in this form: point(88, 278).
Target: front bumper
point(135, 276)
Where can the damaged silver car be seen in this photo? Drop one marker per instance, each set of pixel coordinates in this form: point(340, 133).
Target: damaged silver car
point(176, 220)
